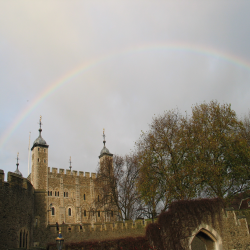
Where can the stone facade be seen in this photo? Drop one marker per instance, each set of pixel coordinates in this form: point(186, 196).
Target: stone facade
point(71, 197)
point(16, 212)
point(33, 210)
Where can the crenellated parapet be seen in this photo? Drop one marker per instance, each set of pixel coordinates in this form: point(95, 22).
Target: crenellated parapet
point(15, 180)
point(62, 172)
point(97, 231)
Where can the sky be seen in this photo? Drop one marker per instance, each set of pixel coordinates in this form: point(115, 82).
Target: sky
point(88, 65)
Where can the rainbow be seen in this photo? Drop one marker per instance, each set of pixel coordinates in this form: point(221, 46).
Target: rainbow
point(80, 69)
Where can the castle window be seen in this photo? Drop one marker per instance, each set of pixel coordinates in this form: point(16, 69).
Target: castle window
point(20, 242)
point(85, 213)
point(58, 193)
point(38, 160)
point(23, 238)
point(112, 214)
point(69, 229)
point(84, 197)
point(55, 193)
point(44, 161)
point(26, 240)
point(69, 211)
point(99, 213)
point(50, 193)
point(80, 228)
point(44, 150)
point(38, 149)
point(52, 211)
point(65, 194)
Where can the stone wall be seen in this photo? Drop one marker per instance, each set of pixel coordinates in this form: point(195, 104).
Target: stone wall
point(97, 231)
point(16, 211)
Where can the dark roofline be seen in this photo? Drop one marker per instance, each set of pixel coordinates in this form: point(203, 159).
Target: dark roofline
point(105, 154)
point(40, 145)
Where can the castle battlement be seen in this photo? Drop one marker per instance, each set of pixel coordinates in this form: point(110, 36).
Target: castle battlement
point(98, 227)
point(14, 179)
point(55, 171)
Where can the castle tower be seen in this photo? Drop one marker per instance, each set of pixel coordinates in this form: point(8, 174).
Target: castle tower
point(39, 171)
point(105, 154)
point(106, 158)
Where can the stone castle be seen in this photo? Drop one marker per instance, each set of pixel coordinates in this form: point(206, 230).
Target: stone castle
point(51, 197)
point(33, 210)
point(72, 196)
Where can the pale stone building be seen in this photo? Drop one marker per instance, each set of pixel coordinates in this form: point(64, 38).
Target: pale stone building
point(71, 197)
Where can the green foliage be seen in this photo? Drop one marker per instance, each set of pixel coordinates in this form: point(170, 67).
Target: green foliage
point(205, 155)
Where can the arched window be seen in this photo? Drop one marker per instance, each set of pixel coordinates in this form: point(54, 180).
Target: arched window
point(85, 213)
point(38, 160)
point(84, 197)
point(26, 240)
point(99, 213)
point(52, 211)
point(21, 236)
point(69, 211)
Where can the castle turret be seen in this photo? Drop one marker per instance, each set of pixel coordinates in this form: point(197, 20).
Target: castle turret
point(17, 164)
point(104, 152)
point(39, 161)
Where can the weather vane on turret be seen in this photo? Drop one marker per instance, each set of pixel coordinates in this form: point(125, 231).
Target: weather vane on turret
point(70, 163)
point(40, 123)
point(17, 158)
point(17, 164)
point(104, 137)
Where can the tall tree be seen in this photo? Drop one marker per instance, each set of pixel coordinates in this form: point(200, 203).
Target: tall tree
point(117, 176)
point(206, 154)
point(220, 151)
point(162, 153)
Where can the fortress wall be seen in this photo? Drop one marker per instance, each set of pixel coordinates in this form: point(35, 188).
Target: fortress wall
point(73, 232)
point(16, 210)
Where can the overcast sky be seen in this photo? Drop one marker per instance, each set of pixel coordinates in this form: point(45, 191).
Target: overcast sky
point(89, 65)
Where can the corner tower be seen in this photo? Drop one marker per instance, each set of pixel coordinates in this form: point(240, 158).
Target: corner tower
point(106, 158)
point(39, 171)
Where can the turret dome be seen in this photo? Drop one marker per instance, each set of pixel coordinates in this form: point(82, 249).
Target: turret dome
point(104, 151)
point(39, 140)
